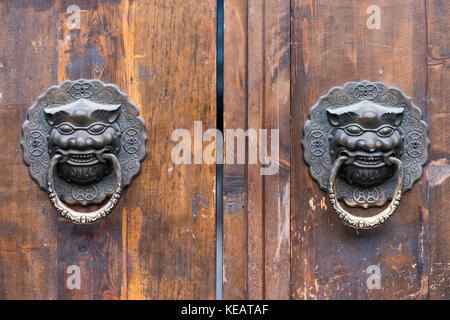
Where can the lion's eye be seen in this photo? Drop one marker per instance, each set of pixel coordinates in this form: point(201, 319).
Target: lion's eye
point(66, 129)
point(97, 128)
point(353, 130)
point(385, 131)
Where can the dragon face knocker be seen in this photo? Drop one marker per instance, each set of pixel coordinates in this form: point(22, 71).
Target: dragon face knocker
point(365, 144)
point(84, 142)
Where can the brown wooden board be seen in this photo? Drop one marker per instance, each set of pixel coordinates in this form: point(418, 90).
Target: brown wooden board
point(171, 209)
point(98, 49)
point(281, 239)
point(256, 96)
point(330, 44)
point(160, 241)
point(28, 225)
point(438, 172)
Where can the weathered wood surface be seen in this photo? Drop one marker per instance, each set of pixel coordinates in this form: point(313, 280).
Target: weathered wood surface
point(281, 239)
point(330, 44)
point(97, 50)
point(256, 96)
point(171, 225)
point(28, 226)
point(159, 242)
point(438, 171)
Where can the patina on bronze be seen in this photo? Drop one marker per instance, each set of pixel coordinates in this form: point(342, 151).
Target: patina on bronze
point(83, 141)
point(365, 144)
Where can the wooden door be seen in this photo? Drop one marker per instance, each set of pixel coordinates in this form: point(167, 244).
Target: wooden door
point(282, 239)
point(159, 243)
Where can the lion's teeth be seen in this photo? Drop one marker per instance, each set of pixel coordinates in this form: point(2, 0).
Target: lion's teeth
point(82, 157)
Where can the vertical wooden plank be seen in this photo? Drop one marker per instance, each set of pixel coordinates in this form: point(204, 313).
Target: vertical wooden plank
point(255, 106)
point(256, 96)
point(235, 176)
point(98, 49)
point(438, 171)
point(171, 208)
point(276, 17)
point(28, 65)
point(332, 44)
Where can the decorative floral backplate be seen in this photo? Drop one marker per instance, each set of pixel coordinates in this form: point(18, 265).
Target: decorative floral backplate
point(317, 135)
point(36, 130)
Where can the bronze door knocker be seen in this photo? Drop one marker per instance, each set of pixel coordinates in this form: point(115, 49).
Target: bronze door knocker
point(365, 144)
point(83, 142)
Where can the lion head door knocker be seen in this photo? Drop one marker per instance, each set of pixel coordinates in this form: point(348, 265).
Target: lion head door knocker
point(365, 144)
point(83, 142)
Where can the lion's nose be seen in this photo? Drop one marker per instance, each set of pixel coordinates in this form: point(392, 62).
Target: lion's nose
point(368, 144)
point(90, 142)
point(78, 143)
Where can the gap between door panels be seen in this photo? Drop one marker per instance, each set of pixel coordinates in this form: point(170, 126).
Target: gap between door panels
point(219, 151)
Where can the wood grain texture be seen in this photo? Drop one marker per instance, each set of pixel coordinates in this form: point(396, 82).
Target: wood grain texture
point(331, 45)
point(98, 50)
point(281, 238)
point(256, 96)
point(438, 171)
point(28, 66)
point(234, 176)
point(171, 208)
point(160, 241)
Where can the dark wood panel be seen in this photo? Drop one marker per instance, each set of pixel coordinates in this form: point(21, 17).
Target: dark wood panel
point(28, 65)
point(171, 208)
point(438, 170)
point(331, 44)
point(256, 96)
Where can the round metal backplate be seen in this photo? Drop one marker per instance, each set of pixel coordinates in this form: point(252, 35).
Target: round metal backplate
point(36, 131)
point(316, 140)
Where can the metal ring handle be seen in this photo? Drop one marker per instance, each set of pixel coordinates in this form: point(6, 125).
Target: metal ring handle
point(364, 222)
point(85, 217)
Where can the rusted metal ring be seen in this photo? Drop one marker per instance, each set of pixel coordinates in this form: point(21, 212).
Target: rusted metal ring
point(364, 222)
point(85, 217)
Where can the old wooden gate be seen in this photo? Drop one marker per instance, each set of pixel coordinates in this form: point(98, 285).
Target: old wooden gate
point(281, 238)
